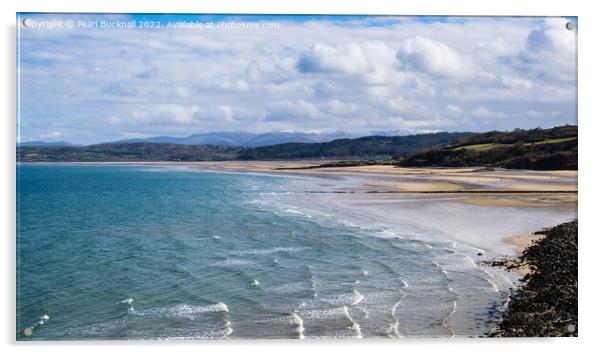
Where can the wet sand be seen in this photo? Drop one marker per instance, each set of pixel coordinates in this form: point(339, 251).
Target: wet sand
point(495, 188)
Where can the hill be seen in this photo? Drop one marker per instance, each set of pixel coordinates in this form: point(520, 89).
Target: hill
point(369, 147)
point(536, 149)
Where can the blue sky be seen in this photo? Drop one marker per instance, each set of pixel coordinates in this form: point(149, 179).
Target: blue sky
point(358, 74)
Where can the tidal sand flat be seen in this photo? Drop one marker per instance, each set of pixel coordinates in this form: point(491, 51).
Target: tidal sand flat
point(234, 250)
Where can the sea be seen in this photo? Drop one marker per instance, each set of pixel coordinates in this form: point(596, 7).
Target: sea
point(167, 252)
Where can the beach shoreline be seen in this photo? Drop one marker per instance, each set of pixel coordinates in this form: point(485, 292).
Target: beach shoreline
point(522, 242)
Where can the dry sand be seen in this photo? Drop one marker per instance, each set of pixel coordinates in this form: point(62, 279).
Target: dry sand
point(522, 242)
point(496, 188)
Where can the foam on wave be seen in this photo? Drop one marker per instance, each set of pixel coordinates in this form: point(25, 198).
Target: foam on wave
point(446, 319)
point(268, 251)
point(355, 327)
point(127, 301)
point(298, 321)
point(356, 297)
point(183, 310)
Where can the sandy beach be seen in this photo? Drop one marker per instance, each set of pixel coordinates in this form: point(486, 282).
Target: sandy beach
point(454, 196)
point(522, 242)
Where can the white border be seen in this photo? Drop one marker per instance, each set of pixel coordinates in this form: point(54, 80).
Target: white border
point(589, 125)
point(374, 7)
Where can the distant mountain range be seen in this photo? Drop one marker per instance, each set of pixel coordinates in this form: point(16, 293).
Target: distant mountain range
point(242, 139)
point(49, 144)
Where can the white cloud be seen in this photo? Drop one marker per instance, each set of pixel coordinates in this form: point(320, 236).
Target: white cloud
point(227, 112)
point(434, 57)
point(225, 84)
point(291, 110)
point(484, 112)
point(339, 108)
point(560, 38)
point(372, 61)
point(550, 51)
point(516, 82)
point(396, 105)
point(533, 114)
point(347, 58)
point(254, 71)
point(453, 109)
point(51, 136)
point(323, 89)
point(165, 114)
point(217, 116)
point(113, 120)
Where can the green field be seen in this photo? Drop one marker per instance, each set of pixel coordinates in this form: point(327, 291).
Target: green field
point(491, 146)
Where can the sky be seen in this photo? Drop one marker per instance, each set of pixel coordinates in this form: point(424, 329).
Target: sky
point(361, 75)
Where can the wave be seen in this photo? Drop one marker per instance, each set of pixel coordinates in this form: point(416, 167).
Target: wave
point(28, 331)
point(164, 168)
point(386, 234)
point(492, 285)
point(404, 284)
point(442, 270)
point(291, 287)
point(357, 330)
point(42, 320)
point(298, 321)
point(227, 329)
point(127, 301)
point(297, 212)
point(394, 327)
point(345, 299)
point(269, 251)
point(446, 319)
point(356, 298)
point(182, 310)
point(232, 262)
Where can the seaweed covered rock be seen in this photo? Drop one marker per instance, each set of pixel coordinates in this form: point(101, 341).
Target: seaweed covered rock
point(546, 304)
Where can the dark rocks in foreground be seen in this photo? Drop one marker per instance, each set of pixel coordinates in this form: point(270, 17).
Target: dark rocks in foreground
point(546, 305)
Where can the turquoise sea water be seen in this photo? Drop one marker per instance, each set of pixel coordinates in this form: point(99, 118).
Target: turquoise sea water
point(150, 252)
